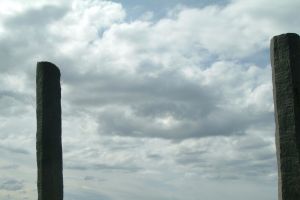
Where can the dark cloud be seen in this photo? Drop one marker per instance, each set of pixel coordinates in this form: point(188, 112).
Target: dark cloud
point(194, 106)
point(217, 122)
point(154, 156)
point(85, 194)
point(250, 168)
point(11, 184)
point(120, 167)
point(256, 160)
point(13, 103)
point(93, 178)
point(15, 150)
point(9, 167)
point(191, 157)
point(27, 37)
point(121, 89)
point(37, 18)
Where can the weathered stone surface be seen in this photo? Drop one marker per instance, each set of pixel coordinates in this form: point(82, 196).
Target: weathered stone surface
point(285, 59)
point(48, 136)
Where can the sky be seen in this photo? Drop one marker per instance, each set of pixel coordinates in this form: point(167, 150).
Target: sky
point(161, 100)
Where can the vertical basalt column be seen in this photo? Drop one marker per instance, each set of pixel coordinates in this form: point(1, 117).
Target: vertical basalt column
point(285, 59)
point(48, 136)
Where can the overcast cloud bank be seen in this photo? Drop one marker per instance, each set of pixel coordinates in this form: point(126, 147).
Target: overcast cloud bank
point(175, 104)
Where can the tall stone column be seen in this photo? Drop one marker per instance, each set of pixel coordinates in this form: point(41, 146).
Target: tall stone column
point(285, 59)
point(48, 136)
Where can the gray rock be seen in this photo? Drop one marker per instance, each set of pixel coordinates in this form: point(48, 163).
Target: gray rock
point(285, 59)
point(48, 136)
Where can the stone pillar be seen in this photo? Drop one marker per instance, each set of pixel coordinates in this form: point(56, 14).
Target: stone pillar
point(48, 136)
point(285, 60)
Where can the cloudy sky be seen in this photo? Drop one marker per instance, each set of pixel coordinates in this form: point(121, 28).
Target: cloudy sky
point(161, 99)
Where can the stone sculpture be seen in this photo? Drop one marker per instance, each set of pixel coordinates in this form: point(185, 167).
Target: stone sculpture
point(48, 136)
point(285, 60)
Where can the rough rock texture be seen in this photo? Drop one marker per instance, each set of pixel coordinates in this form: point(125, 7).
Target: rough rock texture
point(48, 136)
point(285, 59)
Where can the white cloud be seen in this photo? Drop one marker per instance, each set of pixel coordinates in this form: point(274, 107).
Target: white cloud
point(161, 105)
point(10, 184)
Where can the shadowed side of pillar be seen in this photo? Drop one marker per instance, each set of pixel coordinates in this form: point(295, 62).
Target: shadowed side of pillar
point(48, 135)
point(285, 60)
